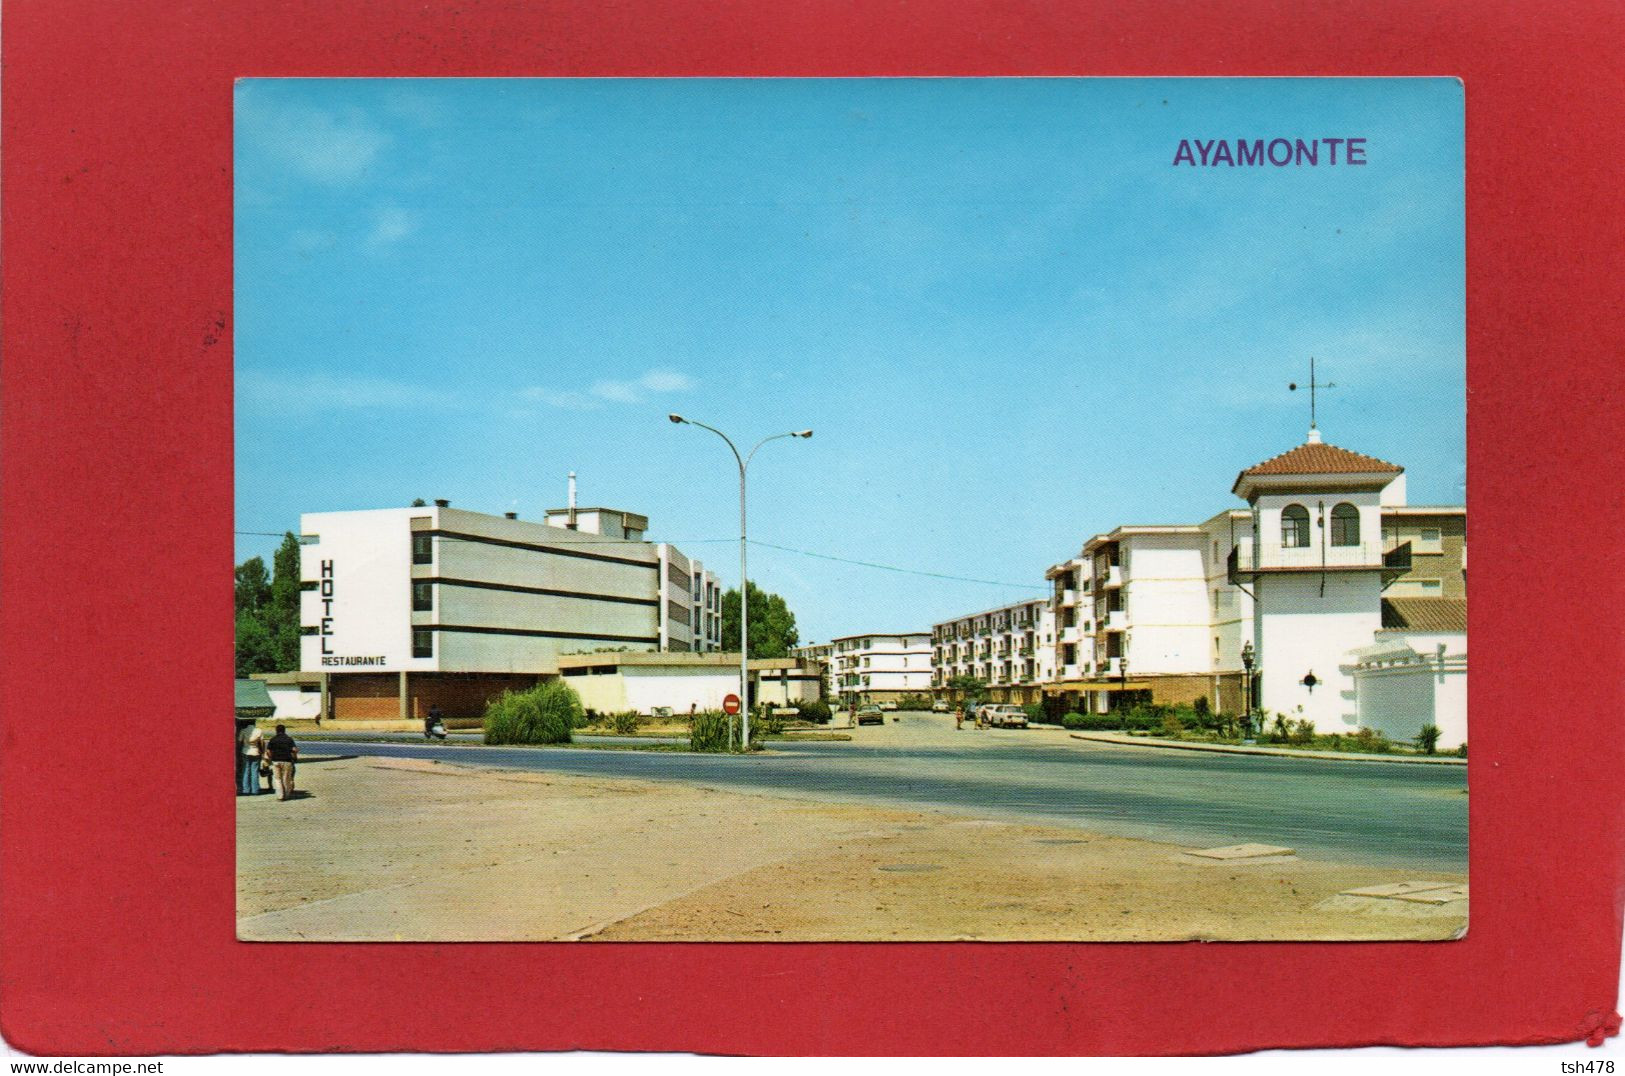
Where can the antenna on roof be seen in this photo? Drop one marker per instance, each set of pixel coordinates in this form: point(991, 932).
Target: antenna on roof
point(1314, 431)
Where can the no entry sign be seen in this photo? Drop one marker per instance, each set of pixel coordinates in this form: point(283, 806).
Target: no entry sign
point(730, 705)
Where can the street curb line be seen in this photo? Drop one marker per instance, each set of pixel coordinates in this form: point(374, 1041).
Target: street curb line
point(1273, 752)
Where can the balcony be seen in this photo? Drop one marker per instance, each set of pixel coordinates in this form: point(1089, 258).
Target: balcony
point(1068, 596)
point(1314, 558)
point(1112, 668)
point(1113, 576)
point(1116, 620)
point(1068, 672)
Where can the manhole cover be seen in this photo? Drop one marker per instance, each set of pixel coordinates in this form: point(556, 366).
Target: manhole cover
point(912, 868)
point(1059, 840)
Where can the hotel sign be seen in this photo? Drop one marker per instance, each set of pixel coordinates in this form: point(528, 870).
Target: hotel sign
point(324, 629)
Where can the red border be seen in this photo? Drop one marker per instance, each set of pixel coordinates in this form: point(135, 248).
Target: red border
point(116, 899)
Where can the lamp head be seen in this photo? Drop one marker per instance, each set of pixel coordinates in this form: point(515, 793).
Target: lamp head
point(802, 433)
point(677, 418)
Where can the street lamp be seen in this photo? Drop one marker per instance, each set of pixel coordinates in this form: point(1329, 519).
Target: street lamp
point(744, 649)
point(1247, 659)
point(1122, 698)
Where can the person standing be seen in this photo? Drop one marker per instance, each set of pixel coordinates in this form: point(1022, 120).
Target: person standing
point(252, 742)
point(284, 753)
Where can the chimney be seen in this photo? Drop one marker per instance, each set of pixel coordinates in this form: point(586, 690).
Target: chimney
point(441, 502)
point(572, 521)
point(510, 515)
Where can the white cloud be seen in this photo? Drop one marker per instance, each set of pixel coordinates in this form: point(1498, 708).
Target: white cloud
point(328, 146)
point(569, 401)
point(296, 392)
point(389, 224)
point(630, 391)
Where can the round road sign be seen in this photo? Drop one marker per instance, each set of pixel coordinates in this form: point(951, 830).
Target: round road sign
point(730, 705)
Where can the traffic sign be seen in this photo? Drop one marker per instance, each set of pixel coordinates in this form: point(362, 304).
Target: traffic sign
point(730, 705)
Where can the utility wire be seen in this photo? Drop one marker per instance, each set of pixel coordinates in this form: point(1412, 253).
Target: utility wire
point(894, 568)
point(596, 540)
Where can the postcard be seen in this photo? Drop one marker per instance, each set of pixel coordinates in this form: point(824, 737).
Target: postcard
point(842, 510)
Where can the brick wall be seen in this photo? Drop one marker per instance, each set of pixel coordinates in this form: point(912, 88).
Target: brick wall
point(460, 696)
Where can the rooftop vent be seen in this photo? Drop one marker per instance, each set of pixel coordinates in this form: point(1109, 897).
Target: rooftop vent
point(441, 502)
point(510, 515)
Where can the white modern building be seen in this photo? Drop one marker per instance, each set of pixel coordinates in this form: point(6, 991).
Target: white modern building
point(404, 608)
point(1012, 649)
point(880, 668)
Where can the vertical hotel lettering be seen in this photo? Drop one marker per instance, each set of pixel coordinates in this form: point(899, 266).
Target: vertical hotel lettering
point(327, 606)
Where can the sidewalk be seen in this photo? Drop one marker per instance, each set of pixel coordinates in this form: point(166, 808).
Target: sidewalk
point(1281, 752)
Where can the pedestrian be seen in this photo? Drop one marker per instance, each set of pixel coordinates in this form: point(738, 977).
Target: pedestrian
point(284, 753)
point(959, 715)
point(252, 742)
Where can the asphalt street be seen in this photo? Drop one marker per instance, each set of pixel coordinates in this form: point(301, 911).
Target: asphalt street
point(1400, 815)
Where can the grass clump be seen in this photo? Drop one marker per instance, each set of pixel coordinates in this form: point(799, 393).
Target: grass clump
point(543, 714)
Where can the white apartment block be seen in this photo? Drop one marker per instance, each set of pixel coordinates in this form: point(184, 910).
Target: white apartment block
point(1012, 649)
point(880, 668)
point(820, 656)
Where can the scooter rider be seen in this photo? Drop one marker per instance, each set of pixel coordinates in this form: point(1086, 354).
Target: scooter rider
point(434, 724)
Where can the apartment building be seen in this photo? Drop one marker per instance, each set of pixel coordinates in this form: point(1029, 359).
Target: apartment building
point(880, 668)
point(1012, 649)
point(404, 608)
point(820, 656)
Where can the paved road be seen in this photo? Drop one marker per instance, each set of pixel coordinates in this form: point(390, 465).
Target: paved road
point(1409, 816)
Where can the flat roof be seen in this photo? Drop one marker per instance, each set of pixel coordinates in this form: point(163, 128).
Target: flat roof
point(671, 659)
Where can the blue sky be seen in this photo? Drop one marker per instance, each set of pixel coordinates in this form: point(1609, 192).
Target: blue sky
point(1010, 320)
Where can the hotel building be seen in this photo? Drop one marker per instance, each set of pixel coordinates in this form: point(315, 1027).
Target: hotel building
point(404, 608)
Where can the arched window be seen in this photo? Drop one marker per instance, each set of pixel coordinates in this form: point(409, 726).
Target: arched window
point(1295, 526)
point(1345, 525)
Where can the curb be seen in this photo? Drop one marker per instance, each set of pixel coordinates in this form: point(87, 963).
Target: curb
point(1274, 752)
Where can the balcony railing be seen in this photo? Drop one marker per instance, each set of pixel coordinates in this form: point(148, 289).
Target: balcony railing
point(1112, 577)
point(1116, 620)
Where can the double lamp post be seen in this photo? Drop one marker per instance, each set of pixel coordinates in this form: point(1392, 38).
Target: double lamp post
point(744, 648)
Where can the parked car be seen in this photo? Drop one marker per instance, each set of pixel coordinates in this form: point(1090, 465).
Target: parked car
point(888, 707)
point(940, 706)
point(1006, 716)
point(869, 714)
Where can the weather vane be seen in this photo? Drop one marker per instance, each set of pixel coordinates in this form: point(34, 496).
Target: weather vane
point(1313, 385)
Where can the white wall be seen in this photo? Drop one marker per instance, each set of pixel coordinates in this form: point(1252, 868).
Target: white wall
point(1398, 699)
point(1301, 631)
point(293, 704)
point(365, 605)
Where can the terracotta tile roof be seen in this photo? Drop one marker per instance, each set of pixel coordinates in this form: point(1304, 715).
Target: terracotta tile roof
point(1315, 458)
point(1425, 614)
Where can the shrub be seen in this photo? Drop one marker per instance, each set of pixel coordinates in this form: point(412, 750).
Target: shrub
point(543, 714)
point(1096, 722)
point(625, 722)
point(814, 710)
point(1073, 720)
point(709, 731)
point(1172, 725)
point(1370, 741)
point(1303, 732)
point(1461, 752)
point(1200, 709)
point(1428, 739)
point(914, 702)
point(766, 723)
point(1034, 711)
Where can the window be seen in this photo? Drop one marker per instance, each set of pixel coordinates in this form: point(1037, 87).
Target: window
point(1345, 524)
point(1430, 541)
point(423, 644)
point(1295, 527)
point(422, 549)
point(422, 597)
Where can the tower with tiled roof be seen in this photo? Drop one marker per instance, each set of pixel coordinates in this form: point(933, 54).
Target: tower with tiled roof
point(1316, 568)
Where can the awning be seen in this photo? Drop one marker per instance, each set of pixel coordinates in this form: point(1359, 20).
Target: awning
point(1096, 685)
point(253, 701)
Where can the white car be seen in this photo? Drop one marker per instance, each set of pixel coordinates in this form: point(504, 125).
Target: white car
point(1009, 717)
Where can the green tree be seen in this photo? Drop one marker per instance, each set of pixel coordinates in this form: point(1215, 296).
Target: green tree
point(772, 624)
point(253, 589)
point(970, 688)
point(282, 613)
point(255, 652)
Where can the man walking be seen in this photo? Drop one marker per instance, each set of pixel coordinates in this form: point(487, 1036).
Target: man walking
point(284, 752)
